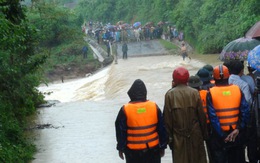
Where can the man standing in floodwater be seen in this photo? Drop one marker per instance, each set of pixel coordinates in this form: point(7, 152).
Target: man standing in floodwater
point(140, 131)
point(184, 52)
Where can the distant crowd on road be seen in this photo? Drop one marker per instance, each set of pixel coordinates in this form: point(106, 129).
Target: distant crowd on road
point(124, 32)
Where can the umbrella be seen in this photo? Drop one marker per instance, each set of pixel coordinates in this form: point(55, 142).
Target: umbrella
point(125, 25)
point(254, 31)
point(238, 49)
point(137, 24)
point(254, 58)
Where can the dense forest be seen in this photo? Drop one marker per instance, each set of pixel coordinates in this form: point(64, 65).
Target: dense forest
point(37, 35)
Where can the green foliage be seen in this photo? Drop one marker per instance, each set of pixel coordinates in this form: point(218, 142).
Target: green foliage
point(230, 22)
point(66, 54)
point(60, 34)
point(13, 146)
point(19, 78)
point(56, 24)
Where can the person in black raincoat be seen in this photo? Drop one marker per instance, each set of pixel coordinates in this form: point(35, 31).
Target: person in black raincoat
point(140, 131)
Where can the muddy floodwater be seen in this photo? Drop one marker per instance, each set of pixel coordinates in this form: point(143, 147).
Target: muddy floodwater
point(82, 124)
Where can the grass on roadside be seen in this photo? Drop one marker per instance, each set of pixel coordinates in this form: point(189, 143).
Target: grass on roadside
point(168, 45)
point(67, 54)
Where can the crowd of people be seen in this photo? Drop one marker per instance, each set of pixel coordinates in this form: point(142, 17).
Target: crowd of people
point(109, 35)
point(215, 107)
point(124, 32)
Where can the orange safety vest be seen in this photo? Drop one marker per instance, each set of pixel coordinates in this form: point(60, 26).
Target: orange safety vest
point(203, 95)
point(226, 101)
point(141, 125)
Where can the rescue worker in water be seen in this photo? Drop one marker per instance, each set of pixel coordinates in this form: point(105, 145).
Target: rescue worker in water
point(228, 113)
point(140, 131)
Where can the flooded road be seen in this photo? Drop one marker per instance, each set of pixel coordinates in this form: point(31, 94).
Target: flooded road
point(83, 123)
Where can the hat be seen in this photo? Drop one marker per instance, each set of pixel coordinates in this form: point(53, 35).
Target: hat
point(220, 72)
point(180, 75)
point(209, 68)
point(194, 82)
point(204, 75)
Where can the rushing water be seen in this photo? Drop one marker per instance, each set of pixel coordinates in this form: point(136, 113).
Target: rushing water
point(83, 123)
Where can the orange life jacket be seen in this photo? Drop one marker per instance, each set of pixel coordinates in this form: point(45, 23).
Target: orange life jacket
point(203, 94)
point(226, 101)
point(141, 125)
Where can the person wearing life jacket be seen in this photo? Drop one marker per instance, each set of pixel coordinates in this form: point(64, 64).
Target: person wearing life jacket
point(140, 131)
point(206, 78)
point(196, 83)
point(228, 113)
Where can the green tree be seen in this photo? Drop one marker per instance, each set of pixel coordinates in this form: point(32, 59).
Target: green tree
point(19, 77)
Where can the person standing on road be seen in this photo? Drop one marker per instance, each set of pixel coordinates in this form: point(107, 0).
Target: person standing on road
point(228, 113)
point(247, 86)
point(114, 47)
point(236, 69)
point(108, 47)
point(124, 50)
point(140, 131)
point(185, 120)
point(85, 51)
point(206, 79)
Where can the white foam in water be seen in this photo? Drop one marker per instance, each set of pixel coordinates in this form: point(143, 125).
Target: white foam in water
point(66, 92)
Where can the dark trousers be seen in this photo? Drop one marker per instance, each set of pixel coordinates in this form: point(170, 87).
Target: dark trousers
point(84, 54)
point(143, 156)
point(124, 55)
point(252, 139)
point(108, 51)
point(229, 155)
point(208, 145)
point(231, 152)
